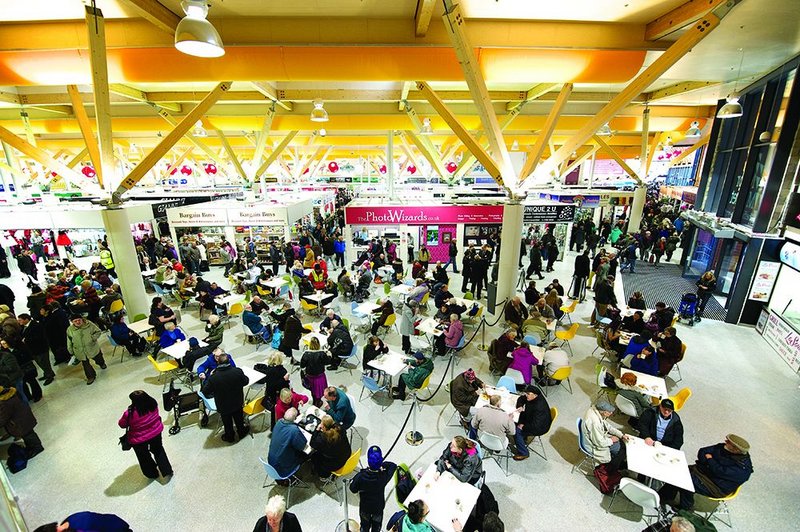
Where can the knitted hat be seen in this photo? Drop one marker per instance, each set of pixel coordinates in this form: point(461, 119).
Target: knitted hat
point(419, 355)
point(193, 342)
point(604, 406)
point(374, 457)
point(469, 375)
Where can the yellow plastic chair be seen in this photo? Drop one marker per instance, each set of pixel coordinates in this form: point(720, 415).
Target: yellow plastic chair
point(116, 306)
point(308, 307)
point(722, 508)
point(674, 320)
point(424, 301)
point(236, 309)
point(553, 417)
point(569, 309)
point(390, 321)
point(345, 470)
point(164, 368)
point(474, 319)
point(561, 375)
point(681, 397)
point(566, 336)
point(254, 408)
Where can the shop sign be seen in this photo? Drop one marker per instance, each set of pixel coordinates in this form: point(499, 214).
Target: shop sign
point(790, 255)
point(579, 199)
point(689, 197)
point(548, 214)
point(446, 214)
point(784, 340)
point(183, 217)
point(765, 278)
point(257, 216)
point(160, 208)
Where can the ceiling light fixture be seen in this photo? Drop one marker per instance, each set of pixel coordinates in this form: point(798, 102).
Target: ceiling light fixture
point(604, 131)
point(731, 109)
point(318, 113)
point(426, 127)
point(515, 145)
point(195, 35)
point(322, 132)
point(694, 129)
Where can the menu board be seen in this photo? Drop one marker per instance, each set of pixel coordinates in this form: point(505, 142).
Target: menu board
point(784, 339)
point(764, 280)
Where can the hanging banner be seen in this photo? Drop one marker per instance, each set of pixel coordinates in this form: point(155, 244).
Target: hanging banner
point(445, 214)
point(784, 339)
point(548, 214)
point(764, 280)
point(195, 217)
point(249, 216)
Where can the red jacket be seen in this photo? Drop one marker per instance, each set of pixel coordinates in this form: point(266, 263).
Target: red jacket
point(143, 428)
point(281, 407)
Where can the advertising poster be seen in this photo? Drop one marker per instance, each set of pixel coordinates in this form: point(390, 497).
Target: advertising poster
point(764, 281)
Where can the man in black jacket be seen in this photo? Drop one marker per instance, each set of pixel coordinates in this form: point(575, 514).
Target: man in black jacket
point(534, 419)
point(661, 424)
point(370, 484)
point(226, 384)
point(34, 341)
point(25, 263)
point(340, 344)
point(582, 268)
point(604, 297)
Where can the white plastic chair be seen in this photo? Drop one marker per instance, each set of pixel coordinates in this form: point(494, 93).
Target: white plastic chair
point(587, 453)
point(626, 406)
point(496, 446)
point(640, 495)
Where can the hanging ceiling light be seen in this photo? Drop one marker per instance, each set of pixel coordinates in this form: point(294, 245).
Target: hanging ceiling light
point(515, 145)
point(731, 109)
point(604, 131)
point(426, 127)
point(199, 130)
point(322, 132)
point(694, 129)
point(318, 113)
point(194, 34)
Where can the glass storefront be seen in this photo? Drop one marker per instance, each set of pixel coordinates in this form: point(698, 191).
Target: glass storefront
point(701, 255)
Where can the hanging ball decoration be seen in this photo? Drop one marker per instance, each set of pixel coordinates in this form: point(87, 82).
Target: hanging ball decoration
point(451, 167)
point(88, 171)
point(54, 174)
point(186, 170)
point(333, 167)
point(174, 171)
point(412, 169)
point(382, 168)
point(211, 169)
point(305, 171)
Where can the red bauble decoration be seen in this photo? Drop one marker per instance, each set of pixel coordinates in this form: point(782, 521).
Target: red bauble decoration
point(211, 169)
point(186, 170)
point(88, 171)
point(333, 167)
point(451, 167)
point(174, 171)
point(382, 169)
point(412, 169)
point(305, 171)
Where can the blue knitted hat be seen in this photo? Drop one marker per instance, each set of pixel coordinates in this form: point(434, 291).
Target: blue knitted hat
point(375, 457)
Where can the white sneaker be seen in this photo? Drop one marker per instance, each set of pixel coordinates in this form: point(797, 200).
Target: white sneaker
point(73, 361)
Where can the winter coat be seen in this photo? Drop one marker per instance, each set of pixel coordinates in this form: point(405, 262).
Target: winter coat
point(226, 384)
point(36, 302)
point(673, 434)
point(34, 339)
point(142, 428)
point(466, 467)
point(724, 471)
point(10, 370)
point(342, 411)
point(293, 330)
point(55, 328)
point(524, 362)
point(16, 417)
point(286, 447)
point(417, 374)
point(215, 333)
point(597, 434)
point(340, 343)
point(535, 417)
point(82, 341)
point(407, 321)
point(329, 456)
point(462, 393)
point(582, 265)
point(370, 485)
point(494, 420)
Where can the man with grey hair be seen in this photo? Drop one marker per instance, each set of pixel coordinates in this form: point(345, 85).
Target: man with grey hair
point(276, 518)
point(327, 324)
point(286, 447)
point(603, 440)
point(493, 420)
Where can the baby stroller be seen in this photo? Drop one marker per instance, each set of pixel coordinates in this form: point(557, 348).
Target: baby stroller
point(181, 404)
point(687, 307)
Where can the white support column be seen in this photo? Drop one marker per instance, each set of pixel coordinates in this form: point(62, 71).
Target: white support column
point(118, 229)
point(8, 151)
point(640, 194)
point(349, 255)
point(509, 251)
point(390, 164)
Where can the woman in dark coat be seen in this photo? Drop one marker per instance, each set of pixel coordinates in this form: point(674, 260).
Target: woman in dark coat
point(17, 419)
point(331, 446)
point(293, 330)
point(56, 323)
point(536, 262)
point(4, 273)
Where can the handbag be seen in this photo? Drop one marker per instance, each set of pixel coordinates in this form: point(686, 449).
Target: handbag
point(123, 440)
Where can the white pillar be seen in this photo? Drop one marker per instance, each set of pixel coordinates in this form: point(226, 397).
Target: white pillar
point(390, 164)
point(118, 229)
point(637, 208)
point(509, 251)
point(349, 255)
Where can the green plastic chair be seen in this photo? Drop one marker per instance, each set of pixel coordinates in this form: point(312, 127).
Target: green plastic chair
point(469, 296)
point(401, 469)
point(387, 288)
point(139, 317)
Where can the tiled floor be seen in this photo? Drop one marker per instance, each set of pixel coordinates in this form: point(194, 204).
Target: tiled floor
point(739, 385)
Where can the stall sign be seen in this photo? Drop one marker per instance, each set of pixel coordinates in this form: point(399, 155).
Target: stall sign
point(590, 200)
point(784, 340)
point(256, 216)
point(790, 255)
point(765, 278)
point(548, 214)
point(160, 208)
point(182, 217)
point(445, 214)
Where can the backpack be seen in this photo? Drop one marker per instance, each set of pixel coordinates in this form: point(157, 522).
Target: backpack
point(276, 339)
point(17, 458)
point(608, 480)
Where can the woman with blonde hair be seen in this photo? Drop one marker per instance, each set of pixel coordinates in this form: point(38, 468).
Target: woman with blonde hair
point(705, 289)
point(554, 302)
point(312, 370)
